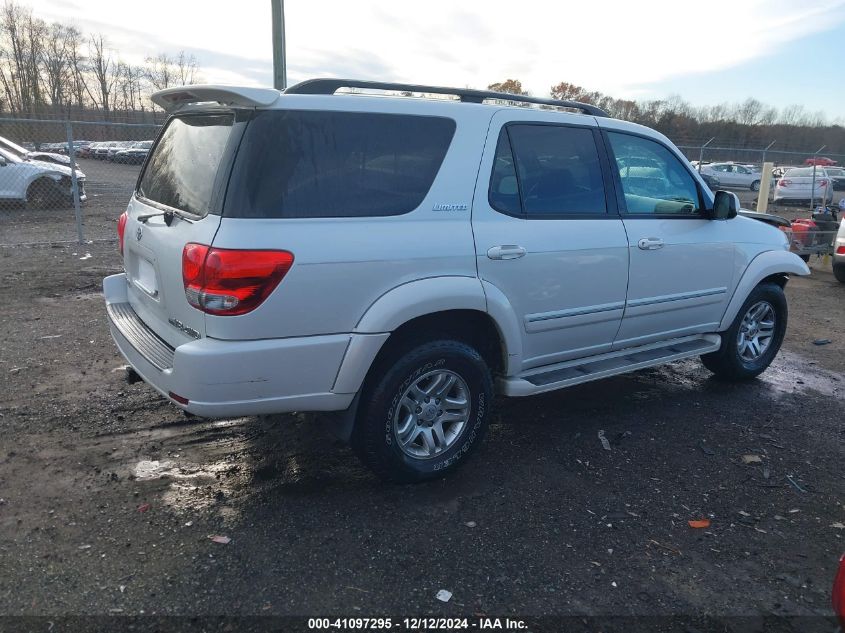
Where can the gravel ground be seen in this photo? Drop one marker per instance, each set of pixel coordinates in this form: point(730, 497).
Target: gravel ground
point(108, 494)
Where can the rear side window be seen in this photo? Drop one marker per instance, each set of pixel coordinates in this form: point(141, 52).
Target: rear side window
point(182, 169)
point(547, 170)
point(317, 164)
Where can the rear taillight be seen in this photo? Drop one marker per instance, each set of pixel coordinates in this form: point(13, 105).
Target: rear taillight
point(121, 229)
point(838, 597)
point(821, 183)
point(840, 250)
point(783, 183)
point(228, 282)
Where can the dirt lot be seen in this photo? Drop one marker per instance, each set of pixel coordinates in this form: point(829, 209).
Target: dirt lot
point(108, 494)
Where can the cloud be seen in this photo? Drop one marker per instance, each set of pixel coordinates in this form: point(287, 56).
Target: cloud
point(619, 47)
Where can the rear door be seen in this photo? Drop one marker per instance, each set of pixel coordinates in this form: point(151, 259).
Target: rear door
point(548, 237)
point(184, 176)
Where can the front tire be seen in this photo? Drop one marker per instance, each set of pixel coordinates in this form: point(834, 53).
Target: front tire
point(423, 411)
point(40, 195)
point(755, 186)
point(752, 341)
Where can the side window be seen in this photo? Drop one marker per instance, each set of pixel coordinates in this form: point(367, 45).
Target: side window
point(653, 179)
point(547, 170)
point(504, 188)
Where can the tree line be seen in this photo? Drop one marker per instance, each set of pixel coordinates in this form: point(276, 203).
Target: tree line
point(47, 68)
point(750, 124)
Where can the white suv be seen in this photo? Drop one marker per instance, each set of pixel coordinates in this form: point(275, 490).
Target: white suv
point(401, 260)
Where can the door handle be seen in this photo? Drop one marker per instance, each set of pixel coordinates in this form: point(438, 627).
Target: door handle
point(650, 243)
point(506, 251)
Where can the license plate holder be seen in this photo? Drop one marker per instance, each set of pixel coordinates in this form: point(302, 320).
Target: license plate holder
point(146, 278)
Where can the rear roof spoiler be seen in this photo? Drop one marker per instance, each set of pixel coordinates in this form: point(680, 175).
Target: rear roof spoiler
point(172, 98)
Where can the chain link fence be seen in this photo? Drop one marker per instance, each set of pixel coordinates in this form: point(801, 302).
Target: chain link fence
point(63, 181)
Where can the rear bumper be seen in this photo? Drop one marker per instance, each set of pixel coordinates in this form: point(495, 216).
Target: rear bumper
point(234, 378)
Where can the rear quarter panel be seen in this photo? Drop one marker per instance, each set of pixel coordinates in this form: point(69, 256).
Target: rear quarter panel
point(343, 265)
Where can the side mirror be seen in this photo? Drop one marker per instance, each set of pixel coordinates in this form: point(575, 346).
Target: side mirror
point(725, 205)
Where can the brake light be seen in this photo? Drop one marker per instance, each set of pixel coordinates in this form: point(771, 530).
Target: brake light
point(840, 250)
point(822, 183)
point(121, 229)
point(838, 597)
point(229, 282)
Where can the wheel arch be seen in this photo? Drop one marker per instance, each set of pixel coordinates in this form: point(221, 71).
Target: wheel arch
point(439, 306)
point(774, 266)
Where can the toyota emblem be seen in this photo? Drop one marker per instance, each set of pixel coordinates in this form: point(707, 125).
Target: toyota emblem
point(139, 232)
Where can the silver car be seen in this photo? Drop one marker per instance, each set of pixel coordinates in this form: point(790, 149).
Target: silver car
point(733, 175)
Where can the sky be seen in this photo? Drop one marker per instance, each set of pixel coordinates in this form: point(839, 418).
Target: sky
point(778, 51)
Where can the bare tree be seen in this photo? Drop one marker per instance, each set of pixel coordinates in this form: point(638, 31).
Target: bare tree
point(187, 68)
point(159, 71)
point(21, 48)
point(103, 68)
point(57, 69)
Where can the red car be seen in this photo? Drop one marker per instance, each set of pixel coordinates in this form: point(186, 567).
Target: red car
point(820, 161)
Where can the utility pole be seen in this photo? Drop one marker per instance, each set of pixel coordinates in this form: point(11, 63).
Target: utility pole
point(280, 75)
point(701, 153)
point(813, 190)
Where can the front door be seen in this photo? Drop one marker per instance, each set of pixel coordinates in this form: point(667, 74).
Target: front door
point(682, 264)
point(547, 237)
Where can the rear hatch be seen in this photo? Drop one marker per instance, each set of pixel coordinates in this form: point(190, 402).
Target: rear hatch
point(177, 201)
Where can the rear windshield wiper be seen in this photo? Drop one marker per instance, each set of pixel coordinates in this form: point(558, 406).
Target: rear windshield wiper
point(168, 216)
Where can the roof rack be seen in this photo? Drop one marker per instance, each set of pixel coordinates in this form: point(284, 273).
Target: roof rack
point(330, 86)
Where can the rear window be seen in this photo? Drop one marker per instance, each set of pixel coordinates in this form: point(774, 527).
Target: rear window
point(804, 171)
point(314, 164)
point(181, 171)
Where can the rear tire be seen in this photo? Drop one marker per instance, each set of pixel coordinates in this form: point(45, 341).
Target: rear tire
point(411, 425)
point(839, 272)
point(805, 258)
point(755, 186)
point(763, 313)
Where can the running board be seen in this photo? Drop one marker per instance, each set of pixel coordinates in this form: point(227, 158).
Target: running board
point(574, 372)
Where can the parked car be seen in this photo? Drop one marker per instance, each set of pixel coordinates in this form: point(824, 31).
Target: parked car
point(820, 161)
point(399, 261)
point(37, 184)
point(119, 146)
point(733, 175)
point(22, 152)
point(101, 150)
point(134, 155)
point(796, 185)
point(839, 253)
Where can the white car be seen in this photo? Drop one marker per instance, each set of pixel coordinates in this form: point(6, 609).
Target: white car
point(839, 253)
point(796, 185)
point(400, 261)
point(37, 184)
point(22, 152)
point(733, 175)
